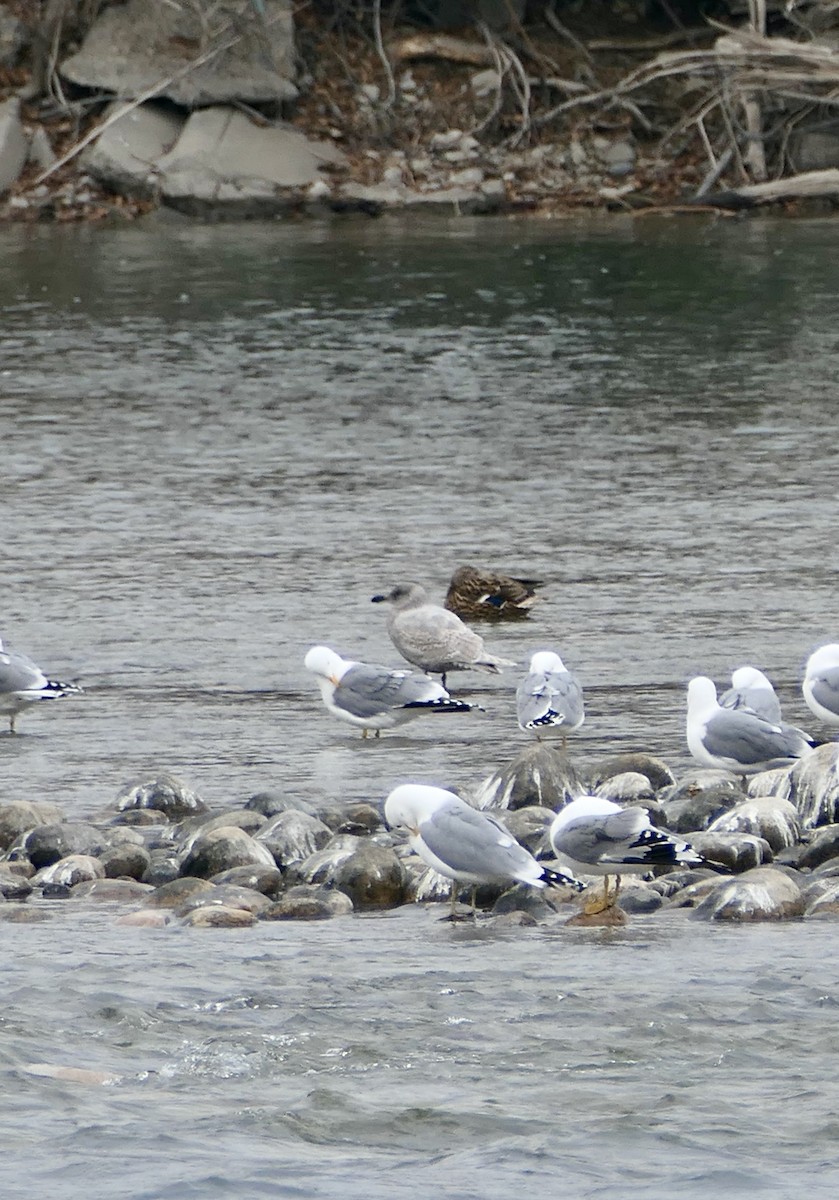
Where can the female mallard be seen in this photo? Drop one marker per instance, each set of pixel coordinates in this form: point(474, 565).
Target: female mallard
point(487, 595)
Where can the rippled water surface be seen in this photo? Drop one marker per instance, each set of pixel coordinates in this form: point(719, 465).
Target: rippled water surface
point(217, 444)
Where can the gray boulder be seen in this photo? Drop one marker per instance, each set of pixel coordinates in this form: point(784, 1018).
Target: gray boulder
point(293, 836)
point(163, 793)
point(46, 844)
point(322, 867)
point(14, 144)
point(266, 880)
point(142, 45)
point(124, 158)
point(735, 851)
point(17, 816)
point(67, 872)
point(175, 893)
point(309, 903)
point(763, 894)
point(698, 799)
point(218, 916)
point(769, 817)
point(656, 770)
point(823, 847)
point(111, 891)
point(372, 877)
point(125, 860)
point(540, 775)
point(221, 849)
point(228, 896)
point(225, 165)
point(814, 786)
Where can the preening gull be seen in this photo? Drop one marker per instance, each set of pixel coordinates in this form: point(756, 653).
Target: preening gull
point(22, 682)
point(752, 690)
point(735, 739)
point(596, 837)
point(431, 637)
point(821, 684)
point(374, 697)
point(465, 845)
point(488, 595)
point(549, 700)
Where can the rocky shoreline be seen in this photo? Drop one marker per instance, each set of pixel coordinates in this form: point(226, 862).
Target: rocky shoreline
point(160, 857)
point(271, 111)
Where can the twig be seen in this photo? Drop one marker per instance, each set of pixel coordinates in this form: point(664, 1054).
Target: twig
point(382, 53)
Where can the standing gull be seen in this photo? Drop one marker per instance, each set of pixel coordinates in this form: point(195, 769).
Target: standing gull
point(375, 697)
point(22, 683)
point(487, 595)
point(465, 845)
point(735, 739)
point(821, 684)
point(433, 638)
point(549, 700)
point(596, 837)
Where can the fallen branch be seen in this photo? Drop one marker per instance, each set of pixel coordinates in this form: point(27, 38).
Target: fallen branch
point(809, 185)
point(441, 45)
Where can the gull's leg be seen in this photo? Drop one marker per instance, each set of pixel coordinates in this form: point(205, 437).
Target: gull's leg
point(12, 722)
point(364, 732)
point(598, 903)
point(443, 679)
point(617, 889)
point(454, 897)
point(378, 733)
point(474, 901)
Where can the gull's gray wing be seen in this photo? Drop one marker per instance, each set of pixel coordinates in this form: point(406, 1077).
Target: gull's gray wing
point(19, 674)
point(598, 839)
point(746, 738)
point(472, 843)
point(367, 690)
point(430, 634)
point(549, 698)
point(825, 688)
point(758, 700)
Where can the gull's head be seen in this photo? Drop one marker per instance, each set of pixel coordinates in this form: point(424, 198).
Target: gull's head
point(412, 803)
point(702, 694)
point(544, 662)
point(750, 677)
point(823, 659)
point(403, 595)
point(325, 662)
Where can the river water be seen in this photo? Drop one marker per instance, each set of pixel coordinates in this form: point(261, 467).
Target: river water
point(218, 443)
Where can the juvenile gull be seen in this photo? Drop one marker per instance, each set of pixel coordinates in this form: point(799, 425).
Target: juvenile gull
point(596, 837)
point(22, 682)
point(549, 700)
point(433, 638)
point(735, 739)
point(375, 697)
point(821, 684)
point(488, 595)
point(465, 845)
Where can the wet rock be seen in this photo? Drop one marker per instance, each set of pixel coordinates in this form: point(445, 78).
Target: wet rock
point(824, 846)
point(640, 900)
point(218, 917)
point(618, 157)
point(131, 47)
point(266, 880)
point(762, 894)
point(125, 860)
point(822, 898)
point(22, 914)
point(70, 1074)
point(46, 844)
point(163, 868)
point(769, 783)
point(609, 917)
point(224, 165)
point(148, 918)
point(125, 156)
point(516, 918)
point(177, 892)
point(41, 152)
point(736, 851)
point(424, 885)
point(13, 886)
point(358, 819)
point(527, 825)
point(372, 877)
point(164, 793)
point(769, 817)
point(323, 866)
point(540, 775)
point(698, 799)
point(533, 901)
point(111, 891)
point(234, 818)
point(226, 896)
point(55, 891)
point(221, 849)
point(270, 804)
point(307, 903)
point(677, 881)
point(67, 872)
point(293, 836)
point(14, 37)
point(630, 787)
point(814, 786)
point(17, 816)
point(14, 144)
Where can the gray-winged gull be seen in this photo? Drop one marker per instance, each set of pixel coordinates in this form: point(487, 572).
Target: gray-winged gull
point(22, 682)
point(593, 836)
point(735, 739)
point(751, 689)
point(490, 596)
point(549, 700)
point(465, 845)
point(374, 697)
point(431, 637)
point(821, 684)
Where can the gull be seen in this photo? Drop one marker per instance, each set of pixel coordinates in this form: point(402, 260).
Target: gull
point(465, 845)
point(433, 638)
point(596, 837)
point(751, 689)
point(549, 700)
point(821, 684)
point(488, 595)
point(735, 739)
point(375, 697)
point(22, 682)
